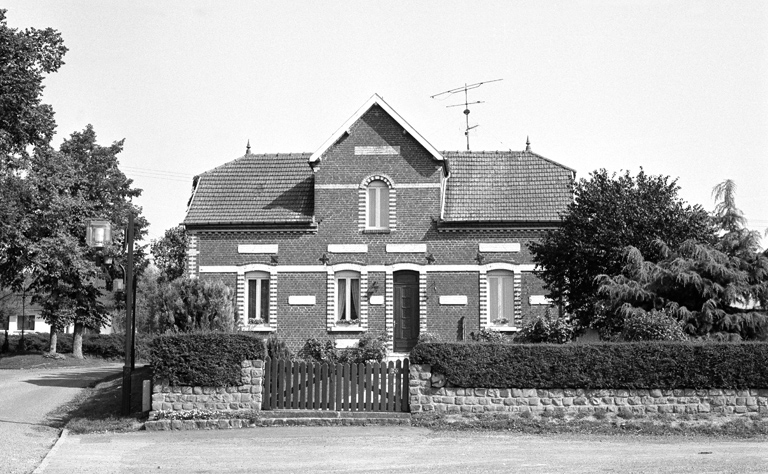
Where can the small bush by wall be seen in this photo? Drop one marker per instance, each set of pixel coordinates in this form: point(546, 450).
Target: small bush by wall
point(661, 365)
point(207, 359)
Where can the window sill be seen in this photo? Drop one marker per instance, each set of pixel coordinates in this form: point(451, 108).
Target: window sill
point(346, 328)
point(377, 231)
point(257, 328)
point(503, 328)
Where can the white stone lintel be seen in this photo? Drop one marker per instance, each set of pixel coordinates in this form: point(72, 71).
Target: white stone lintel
point(539, 300)
point(406, 248)
point(499, 247)
point(257, 248)
point(346, 343)
point(376, 300)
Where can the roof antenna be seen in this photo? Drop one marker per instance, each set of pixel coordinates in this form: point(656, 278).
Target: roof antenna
point(248, 148)
point(527, 143)
point(466, 103)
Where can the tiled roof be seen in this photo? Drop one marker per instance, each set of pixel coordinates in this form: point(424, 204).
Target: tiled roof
point(505, 186)
point(269, 188)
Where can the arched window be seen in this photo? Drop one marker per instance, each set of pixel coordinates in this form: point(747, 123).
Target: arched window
point(257, 297)
point(501, 298)
point(348, 296)
point(377, 206)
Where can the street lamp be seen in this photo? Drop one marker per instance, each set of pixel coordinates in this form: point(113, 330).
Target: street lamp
point(98, 233)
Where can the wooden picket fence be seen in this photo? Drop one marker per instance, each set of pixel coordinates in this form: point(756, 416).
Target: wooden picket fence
point(339, 387)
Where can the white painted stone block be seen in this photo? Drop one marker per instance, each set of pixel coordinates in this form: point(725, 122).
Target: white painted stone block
point(346, 343)
point(347, 248)
point(539, 300)
point(453, 300)
point(376, 300)
point(257, 248)
point(296, 300)
point(406, 248)
point(499, 247)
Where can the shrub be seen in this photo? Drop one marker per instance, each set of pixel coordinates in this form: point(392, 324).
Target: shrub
point(487, 335)
point(207, 359)
point(370, 348)
point(546, 329)
point(664, 365)
point(316, 350)
point(277, 349)
point(652, 326)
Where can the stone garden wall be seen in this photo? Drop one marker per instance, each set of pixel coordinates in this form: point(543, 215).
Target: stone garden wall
point(426, 395)
point(244, 397)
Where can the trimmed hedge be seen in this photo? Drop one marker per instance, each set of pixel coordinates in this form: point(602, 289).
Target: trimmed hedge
point(207, 359)
point(662, 365)
point(108, 346)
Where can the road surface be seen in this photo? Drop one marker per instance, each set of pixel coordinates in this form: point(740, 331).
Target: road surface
point(26, 396)
point(394, 450)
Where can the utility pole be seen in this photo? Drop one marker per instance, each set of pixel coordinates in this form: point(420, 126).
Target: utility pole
point(126, 405)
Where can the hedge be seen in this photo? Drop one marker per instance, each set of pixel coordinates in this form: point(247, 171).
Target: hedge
point(108, 346)
point(663, 365)
point(203, 359)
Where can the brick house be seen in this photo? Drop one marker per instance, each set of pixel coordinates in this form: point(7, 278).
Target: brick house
point(377, 231)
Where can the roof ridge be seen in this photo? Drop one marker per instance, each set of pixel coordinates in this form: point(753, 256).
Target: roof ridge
point(303, 153)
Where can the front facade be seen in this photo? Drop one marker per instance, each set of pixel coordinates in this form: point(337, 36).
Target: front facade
point(379, 232)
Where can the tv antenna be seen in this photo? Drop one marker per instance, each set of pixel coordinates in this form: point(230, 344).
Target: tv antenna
point(466, 104)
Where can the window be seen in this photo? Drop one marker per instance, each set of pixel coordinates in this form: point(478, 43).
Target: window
point(377, 205)
point(26, 323)
point(4, 323)
point(257, 300)
point(348, 297)
point(501, 298)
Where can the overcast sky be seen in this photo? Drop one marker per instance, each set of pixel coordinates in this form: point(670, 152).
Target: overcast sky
point(677, 87)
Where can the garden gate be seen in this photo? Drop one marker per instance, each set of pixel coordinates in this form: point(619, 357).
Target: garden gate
point(339, 387)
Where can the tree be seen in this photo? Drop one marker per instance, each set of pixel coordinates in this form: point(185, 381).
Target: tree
point(66, 188)
point(609, 213)
point(712, 288)
point(170, 253)
point(25, 57)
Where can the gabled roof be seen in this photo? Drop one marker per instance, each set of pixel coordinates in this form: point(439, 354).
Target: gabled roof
point(265, 189)
point(374, 100)
point(505, 186)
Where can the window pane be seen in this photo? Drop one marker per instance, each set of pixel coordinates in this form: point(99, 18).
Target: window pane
point(341, 298)
point(383, 207)
point(354, 297)
point(493, 287)
point(371, 207)
point(264, 300)
point(509, 298)
point(252, 299)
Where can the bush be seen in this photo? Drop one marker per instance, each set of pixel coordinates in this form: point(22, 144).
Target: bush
point(370, 348)
point(546, 329)
point(652, 326)
point(277, 349)
point(664, 365)
point(487, 335)
point(207, 359)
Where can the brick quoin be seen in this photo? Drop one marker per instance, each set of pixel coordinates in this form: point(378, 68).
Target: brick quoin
point(450, 266)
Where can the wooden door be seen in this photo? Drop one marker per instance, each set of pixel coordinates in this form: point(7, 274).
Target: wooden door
point(406, 301)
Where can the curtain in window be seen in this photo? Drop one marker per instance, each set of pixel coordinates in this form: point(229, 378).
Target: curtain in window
point(355, 299)
point(372, 207)
point(383, 207)
point(341, 298)
point(264, 300)
point(508, 292)
point(494, 297)
point(252, 298)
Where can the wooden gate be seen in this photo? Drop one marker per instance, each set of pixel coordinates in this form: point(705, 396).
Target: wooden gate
point(338, 387)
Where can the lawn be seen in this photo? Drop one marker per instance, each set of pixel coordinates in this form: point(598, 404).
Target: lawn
point(36, 360)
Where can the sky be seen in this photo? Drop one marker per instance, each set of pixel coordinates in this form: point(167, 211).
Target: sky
point(679, 88)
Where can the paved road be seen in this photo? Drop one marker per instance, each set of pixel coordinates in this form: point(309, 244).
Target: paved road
point(26, 396)
point(394, 450)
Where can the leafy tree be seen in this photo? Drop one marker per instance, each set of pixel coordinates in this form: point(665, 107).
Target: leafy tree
point(719, 287)
point(170, 252)
point(65, 189)
point(25, 58)
point(609, 213)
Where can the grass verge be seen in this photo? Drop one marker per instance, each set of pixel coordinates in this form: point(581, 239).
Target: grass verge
point(97, 410)
point(661, 425)
point(36, 360)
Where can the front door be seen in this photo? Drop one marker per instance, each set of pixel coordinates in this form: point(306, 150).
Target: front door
point(406, 303)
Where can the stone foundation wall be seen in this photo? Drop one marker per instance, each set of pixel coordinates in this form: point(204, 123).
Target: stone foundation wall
point(244, 397)
point(426, 398)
